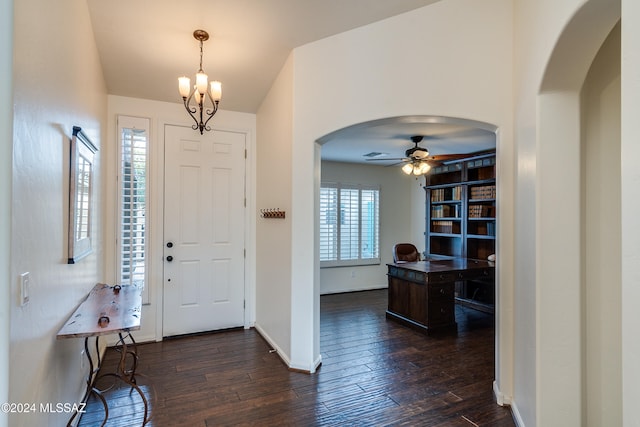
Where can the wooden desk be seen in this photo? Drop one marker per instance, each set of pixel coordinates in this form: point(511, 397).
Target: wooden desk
point(108, 310)
point(422, 294)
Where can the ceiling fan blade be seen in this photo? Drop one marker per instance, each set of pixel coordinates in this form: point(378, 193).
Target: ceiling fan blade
point(447, 157)
point(397, 163)
point(386, 159)
point(454, 157)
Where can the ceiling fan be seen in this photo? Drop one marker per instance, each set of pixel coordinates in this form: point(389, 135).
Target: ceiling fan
point(417, 160)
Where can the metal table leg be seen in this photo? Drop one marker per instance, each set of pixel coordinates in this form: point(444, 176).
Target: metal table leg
point(93, 371)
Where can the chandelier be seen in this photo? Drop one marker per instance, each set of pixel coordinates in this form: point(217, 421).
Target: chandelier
point(201, 113)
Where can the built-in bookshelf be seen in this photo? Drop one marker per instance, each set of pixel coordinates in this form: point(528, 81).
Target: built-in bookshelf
point(461, 220)
point(461, 208)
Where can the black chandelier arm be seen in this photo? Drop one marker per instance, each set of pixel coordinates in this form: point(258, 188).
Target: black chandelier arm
point(211, 113)
point(191, 110)
point(201, 124)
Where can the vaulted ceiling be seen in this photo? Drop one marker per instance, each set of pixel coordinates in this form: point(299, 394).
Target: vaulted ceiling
point(145, 45)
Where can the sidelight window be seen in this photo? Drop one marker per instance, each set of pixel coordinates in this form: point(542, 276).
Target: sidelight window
point(133, 200)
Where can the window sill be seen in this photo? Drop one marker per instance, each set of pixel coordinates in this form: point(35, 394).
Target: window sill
point(350, 263)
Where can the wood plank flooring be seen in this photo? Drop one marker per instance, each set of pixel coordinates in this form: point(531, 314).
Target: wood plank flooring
point(375, 372)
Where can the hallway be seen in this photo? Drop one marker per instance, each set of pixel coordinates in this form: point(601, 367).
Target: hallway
point(374, 372)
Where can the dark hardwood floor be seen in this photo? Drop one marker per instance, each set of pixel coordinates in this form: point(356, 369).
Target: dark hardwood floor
point(375, 372)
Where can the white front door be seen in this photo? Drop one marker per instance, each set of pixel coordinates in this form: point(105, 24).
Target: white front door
point(204, 212)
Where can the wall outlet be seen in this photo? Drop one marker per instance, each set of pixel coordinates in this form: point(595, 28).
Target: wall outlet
point(25, 283)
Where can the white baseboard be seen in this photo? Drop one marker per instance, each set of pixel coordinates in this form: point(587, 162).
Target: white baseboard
point(348, 290)
point(504, 400)
point(284, 357)
point(273, 345)
point(517, 418)
point(500, 397)
point(308, 369)
point(113, 339)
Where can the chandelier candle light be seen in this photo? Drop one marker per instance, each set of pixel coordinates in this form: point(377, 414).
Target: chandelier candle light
point(200, 91)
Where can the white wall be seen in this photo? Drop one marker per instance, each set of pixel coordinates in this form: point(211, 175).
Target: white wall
point(162, 113)
point(451, 59)
point(273, 237)
point(630, 152)
point(397, 192)
point(602, 242)
point(58, 83)
point(6, 150)
point(555, 45)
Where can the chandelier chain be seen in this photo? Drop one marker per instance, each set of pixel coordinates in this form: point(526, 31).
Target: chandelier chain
point(200, 70)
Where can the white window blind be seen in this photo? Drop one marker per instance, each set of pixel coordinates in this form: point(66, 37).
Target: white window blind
point(132, 195)
point(349, 225)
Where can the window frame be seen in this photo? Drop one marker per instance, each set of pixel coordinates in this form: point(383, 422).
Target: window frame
point(360, 261)
point(137, 123)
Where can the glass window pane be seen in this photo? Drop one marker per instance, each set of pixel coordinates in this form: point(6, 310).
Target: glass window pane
point(133, 197)
point(349, 223)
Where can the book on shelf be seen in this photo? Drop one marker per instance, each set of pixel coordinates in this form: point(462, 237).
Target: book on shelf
point(482, 211)
point(446, 194)
point(483, 192)
point(445, 211)
point(446, 227)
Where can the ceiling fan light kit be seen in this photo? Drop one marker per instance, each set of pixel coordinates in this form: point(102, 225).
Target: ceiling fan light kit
point(203, 89)
point(416, 168)
point(416, 161)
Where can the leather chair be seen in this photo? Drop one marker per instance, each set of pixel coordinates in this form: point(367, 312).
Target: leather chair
point(405, 252)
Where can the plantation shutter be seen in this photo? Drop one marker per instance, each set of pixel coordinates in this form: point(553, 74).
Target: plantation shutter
point(134, 141)
point(349, 225)
point(328, 223)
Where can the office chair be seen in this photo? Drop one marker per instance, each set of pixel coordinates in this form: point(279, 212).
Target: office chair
point(405, 252)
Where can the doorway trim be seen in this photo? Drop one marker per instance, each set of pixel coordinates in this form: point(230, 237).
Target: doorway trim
point(503, 376)
point(156, 237)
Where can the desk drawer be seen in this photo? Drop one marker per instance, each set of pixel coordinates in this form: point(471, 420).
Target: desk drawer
point(441, 313)
point(409, 275)
point(441, 291)
point(452, 276)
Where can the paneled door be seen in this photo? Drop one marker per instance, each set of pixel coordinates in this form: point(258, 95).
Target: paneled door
point(204, 210)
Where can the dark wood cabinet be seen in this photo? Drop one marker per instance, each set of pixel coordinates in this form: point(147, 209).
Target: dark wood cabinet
point(423, 294)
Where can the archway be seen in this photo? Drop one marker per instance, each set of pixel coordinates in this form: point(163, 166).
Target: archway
point(568, 376)
point(478, 136)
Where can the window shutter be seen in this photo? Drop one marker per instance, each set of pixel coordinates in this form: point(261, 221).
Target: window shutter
point(369, 239)
point(133, 201)
point(349, 225)
point(328, 223)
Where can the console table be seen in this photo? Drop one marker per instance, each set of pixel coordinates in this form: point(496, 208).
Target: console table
point(108, 310)
point(422, 294)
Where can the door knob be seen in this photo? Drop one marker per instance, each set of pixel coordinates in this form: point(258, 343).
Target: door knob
point(169, 244)
point(169, 258)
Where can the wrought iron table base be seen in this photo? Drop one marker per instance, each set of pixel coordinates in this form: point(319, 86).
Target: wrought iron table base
point(128, 376)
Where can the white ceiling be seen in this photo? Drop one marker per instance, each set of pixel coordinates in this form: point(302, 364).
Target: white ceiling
point(145, 45)
point(392, 137)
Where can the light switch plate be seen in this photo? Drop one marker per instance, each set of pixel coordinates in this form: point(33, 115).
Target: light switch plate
point(25, 278)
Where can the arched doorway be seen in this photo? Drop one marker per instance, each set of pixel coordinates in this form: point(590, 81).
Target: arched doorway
point(391, 137)
point(578, 345)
